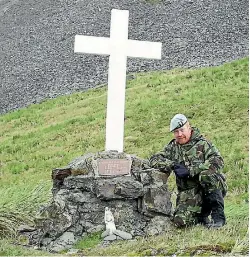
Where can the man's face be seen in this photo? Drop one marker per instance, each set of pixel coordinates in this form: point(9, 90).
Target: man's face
point(183, 134)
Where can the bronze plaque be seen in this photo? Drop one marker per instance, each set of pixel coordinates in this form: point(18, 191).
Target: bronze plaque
point(114, 167)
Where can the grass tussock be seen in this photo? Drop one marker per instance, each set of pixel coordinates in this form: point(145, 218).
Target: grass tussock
point(41, 137)
point(19, 211)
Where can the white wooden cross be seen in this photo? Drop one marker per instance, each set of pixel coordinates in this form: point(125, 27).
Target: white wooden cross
point(119, 47)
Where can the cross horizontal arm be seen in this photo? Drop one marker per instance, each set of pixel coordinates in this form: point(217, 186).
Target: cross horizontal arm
point(144, 49)
point(92, 45)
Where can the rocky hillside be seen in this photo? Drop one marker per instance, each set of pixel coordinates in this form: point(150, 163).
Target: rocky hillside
point(37, 59)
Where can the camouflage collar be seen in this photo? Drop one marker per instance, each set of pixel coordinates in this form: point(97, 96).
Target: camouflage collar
point(195, 134)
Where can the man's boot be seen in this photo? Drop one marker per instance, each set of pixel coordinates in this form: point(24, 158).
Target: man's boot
point(205, 212)
point(217, 209)
point(204, 220)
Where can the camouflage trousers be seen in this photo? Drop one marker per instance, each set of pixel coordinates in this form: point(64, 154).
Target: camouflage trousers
point(188, 207)
point(189, 202)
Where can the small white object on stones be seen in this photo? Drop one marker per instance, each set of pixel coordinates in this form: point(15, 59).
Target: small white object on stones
point(109, 221)
point(110, 238)
point(124, 235)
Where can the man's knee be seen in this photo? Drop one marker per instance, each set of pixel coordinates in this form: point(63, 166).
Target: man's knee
point(188, 206)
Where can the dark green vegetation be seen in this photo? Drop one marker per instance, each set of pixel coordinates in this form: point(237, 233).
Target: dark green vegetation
point(50, 134)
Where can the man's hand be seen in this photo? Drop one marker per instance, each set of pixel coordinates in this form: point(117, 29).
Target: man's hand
point(181, 171)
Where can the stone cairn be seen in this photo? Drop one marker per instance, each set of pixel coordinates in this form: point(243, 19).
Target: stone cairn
point(136, 195)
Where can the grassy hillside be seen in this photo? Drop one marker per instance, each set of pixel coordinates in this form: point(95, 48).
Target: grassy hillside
point(49, 135)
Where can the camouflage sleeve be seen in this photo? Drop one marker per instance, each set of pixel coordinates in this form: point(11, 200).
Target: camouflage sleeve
point(213, 161)
point(163, 160)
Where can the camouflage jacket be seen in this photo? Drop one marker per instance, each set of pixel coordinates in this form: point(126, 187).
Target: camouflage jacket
point(197, 155)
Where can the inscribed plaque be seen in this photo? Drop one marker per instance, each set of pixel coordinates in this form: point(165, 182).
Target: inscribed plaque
point(114, 167)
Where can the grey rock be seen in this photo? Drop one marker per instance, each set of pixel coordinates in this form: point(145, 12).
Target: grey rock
point(157, 199)
point(66, 240)
point(105, 190)
point(119, 188)
point(105, 233)
point(82, 182)
point(159, 225)
point(95, 228)
point(25, 228)
point(110, 238)
point(80, 165)
point(145, 178)
point(53, 221)
point(158, 178)
point(123, 235)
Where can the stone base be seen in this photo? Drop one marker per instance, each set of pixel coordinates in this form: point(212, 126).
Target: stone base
point(140, 203)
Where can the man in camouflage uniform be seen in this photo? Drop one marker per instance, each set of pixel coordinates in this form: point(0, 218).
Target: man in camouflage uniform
point(197, 165)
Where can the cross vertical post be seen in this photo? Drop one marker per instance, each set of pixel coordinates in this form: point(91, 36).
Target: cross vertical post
point(118, 47)
point(117, 81)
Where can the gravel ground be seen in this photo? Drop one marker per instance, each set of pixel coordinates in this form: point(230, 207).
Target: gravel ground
point(37, 59)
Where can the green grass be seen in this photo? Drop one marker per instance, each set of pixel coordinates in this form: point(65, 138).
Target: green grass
point(9, 249)
point(89, 241)
point(41, 137)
